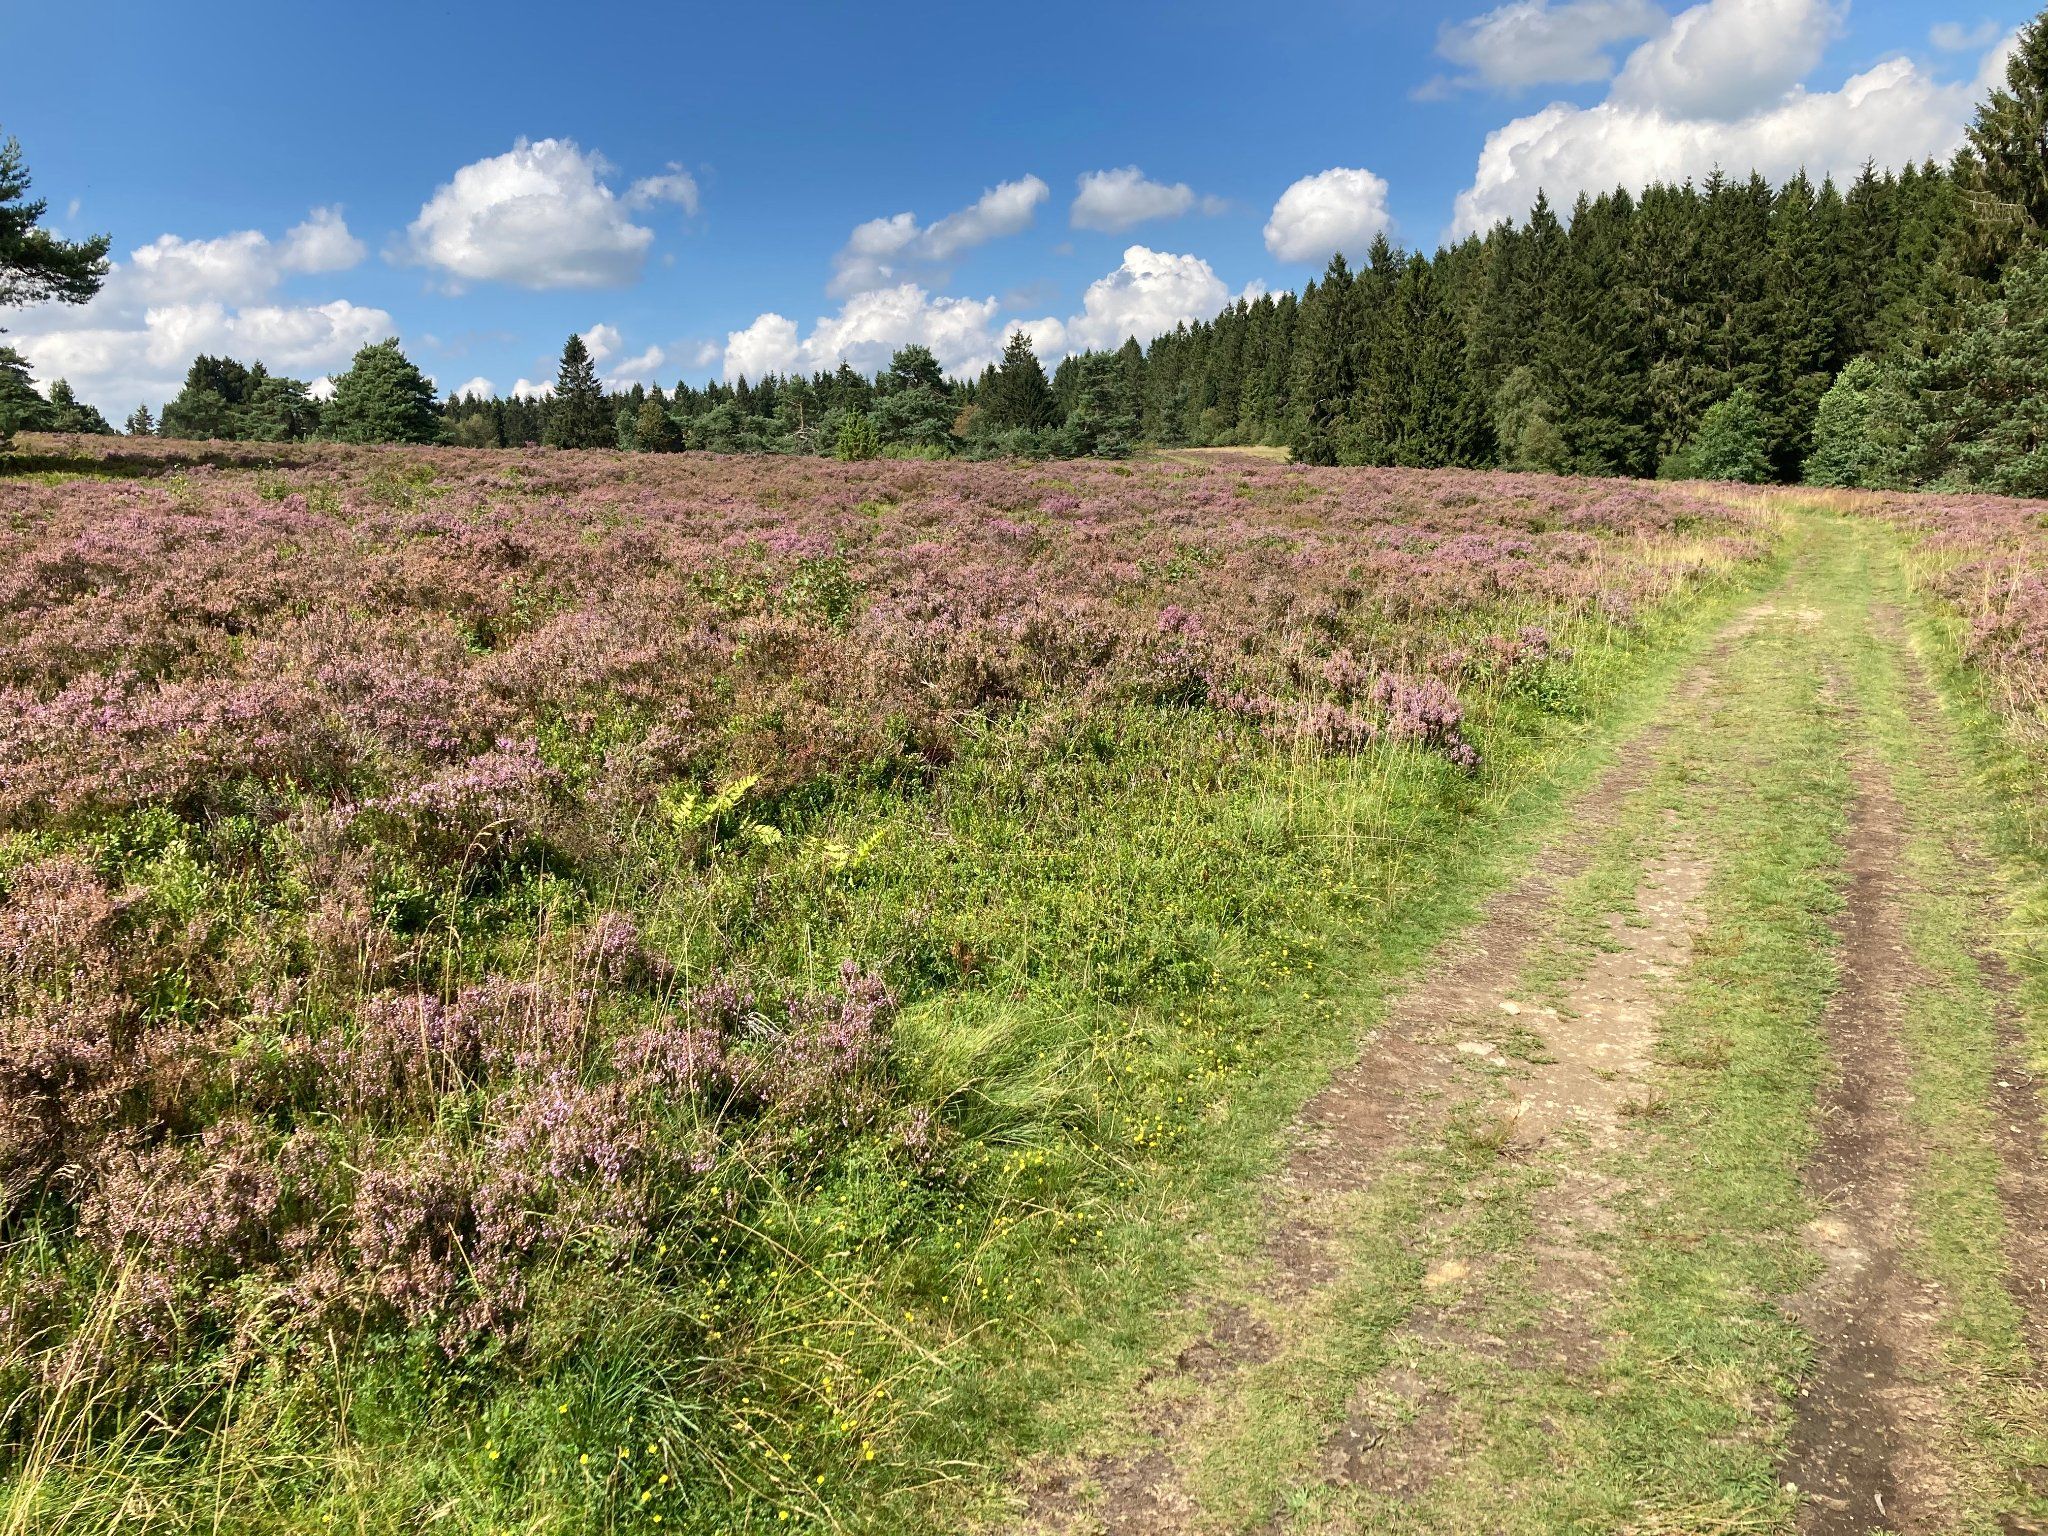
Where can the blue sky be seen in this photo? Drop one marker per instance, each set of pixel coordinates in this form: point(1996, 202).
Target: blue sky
point(701, 190)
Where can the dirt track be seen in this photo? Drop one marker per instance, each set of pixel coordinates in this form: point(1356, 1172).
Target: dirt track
point(1558, 1035)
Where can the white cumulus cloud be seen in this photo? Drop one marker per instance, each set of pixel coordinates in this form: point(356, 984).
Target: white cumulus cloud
point(527, 389)
point(886, 252)
point(172, 270)
point(637, 369)
point(173, 298)
point(1150, 292)
point(601, 341)
point(321, 244)
point(1532, 42)
point(1116, 200)
point(769, 345)
point(1891, 113)
point(1341, 209)
point(478, 388)
point(1728, 58)
point(540, 215)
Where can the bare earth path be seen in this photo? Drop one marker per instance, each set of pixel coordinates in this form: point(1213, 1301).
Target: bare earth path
point(1697, 1187)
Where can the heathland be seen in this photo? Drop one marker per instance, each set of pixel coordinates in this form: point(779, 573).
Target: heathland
point(593, 992)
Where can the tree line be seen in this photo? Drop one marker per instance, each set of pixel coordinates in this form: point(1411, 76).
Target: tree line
point(1889, 332)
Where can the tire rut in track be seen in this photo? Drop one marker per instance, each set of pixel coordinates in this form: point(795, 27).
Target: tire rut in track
point(1862, 1445)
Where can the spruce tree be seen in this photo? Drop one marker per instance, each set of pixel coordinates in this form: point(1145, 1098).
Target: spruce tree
point(857, 439)
point(2003, 167)
point(1319, 387)
point(1016, 394)
point(578, 416)
point(140, 423)
point(1802, 307)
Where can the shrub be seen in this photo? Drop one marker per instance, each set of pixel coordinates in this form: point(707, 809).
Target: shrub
point(857, 438)
point(1733, 443)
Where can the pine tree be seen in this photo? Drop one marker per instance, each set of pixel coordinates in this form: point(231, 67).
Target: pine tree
point(68, 413)
point(653, 430)
point(578, 416)
point(140, 423)
point(22, 408)
point(383, 398)
point(1016, 394)
point(35, 266)
point(277, 409)
point(1984, 400)
point(210, 403)
point(914, 367)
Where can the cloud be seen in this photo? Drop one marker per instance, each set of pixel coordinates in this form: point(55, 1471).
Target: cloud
point(1532, 42)
point(478, 388)
point(601, 341)
point(637, 369)
point(1151, 292)
point(171, 270)
point(1335, 210)
point(1113, 201)
point(1048, 336)
point(526, 389)
point(678, 186)
point(1728, 58)
point(114, 364)
point(885, 252)
point(1954, 37)
point(1892, 113)
point(868, 328)
point(539, 216)
point(321, 244)
point(174, 298)
point(769, 345)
